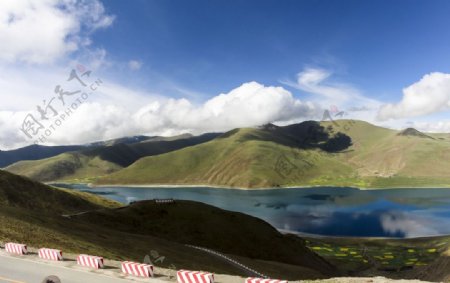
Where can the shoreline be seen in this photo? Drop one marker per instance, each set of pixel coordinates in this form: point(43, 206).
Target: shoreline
point(319, 236)
point(168, 186)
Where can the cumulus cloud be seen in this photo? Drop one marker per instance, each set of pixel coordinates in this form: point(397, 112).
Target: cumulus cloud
point(250, 104)
point(43, 31)
point(429, 95)
point(110, 114)
point(134, 65)
point(430, 126)
point(38, 33)
point(10, 135)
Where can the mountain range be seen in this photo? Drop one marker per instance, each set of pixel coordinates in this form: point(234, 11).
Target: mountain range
point(335, 153)
point(339, 153)
point(101, 158)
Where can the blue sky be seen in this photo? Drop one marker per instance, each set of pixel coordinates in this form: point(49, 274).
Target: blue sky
point(171, 67)
point(212, 46)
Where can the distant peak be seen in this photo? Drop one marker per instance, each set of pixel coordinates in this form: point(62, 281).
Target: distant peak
point(413, 132)
point(269, 127)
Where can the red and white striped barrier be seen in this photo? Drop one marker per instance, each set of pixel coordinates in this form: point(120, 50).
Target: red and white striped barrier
point(137, 269)
point(15, 248)
point(50, 254)
point(262, 280)
point(90, 261)
point(185, 276)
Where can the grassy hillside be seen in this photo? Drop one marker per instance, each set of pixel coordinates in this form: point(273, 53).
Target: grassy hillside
point(342, 153)
point(32, 213)
point(387, 158)
point(424, 258)
point(33, 152)
point(37, 152)
point(99, 160)
point(72, 165)
point(188, 222)
point(23, 193)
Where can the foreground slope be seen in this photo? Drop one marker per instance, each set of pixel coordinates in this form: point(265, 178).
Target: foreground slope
point(188, 222)
point(101, 158)
point(343, 153)
point(32, 213)
point(22, 193)
point(40, 215)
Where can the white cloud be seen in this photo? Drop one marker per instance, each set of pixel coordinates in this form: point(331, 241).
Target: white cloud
point(10, 135)
point(115, 111)
point(431, 126)
point(250, 104)
point(429, 95)
point(46, 30)
point(134, 65)
point(315, 81)
point(318, 82)
point(97, 58)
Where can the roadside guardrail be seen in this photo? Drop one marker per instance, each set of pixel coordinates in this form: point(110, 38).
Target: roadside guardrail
point(139, 269)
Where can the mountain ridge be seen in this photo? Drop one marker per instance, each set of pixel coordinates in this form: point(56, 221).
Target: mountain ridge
point(98, 160)
point(331, 153)
point(339, 153)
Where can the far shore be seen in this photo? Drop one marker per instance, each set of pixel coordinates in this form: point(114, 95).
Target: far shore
point(362, 238)
point(90, 185)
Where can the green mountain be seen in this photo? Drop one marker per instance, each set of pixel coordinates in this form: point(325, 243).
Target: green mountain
point(36, 152)
point(342, 153)
point(101, 158)
point(33, 152)
point(125, 140)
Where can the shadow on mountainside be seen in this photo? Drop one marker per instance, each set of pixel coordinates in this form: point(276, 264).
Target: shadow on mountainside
point(310, 134)
point(305, 135)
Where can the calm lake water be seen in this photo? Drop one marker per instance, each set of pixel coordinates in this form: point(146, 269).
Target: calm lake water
point(324, 211)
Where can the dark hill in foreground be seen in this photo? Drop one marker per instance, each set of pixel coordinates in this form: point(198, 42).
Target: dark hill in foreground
point(32, 213)
point(23, 193)
point(40, 215)
point(199, 224)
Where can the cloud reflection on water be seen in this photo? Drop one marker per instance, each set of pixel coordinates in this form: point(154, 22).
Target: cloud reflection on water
point(325, 211)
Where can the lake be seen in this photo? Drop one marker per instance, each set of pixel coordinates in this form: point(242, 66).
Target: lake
point(322, 211)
